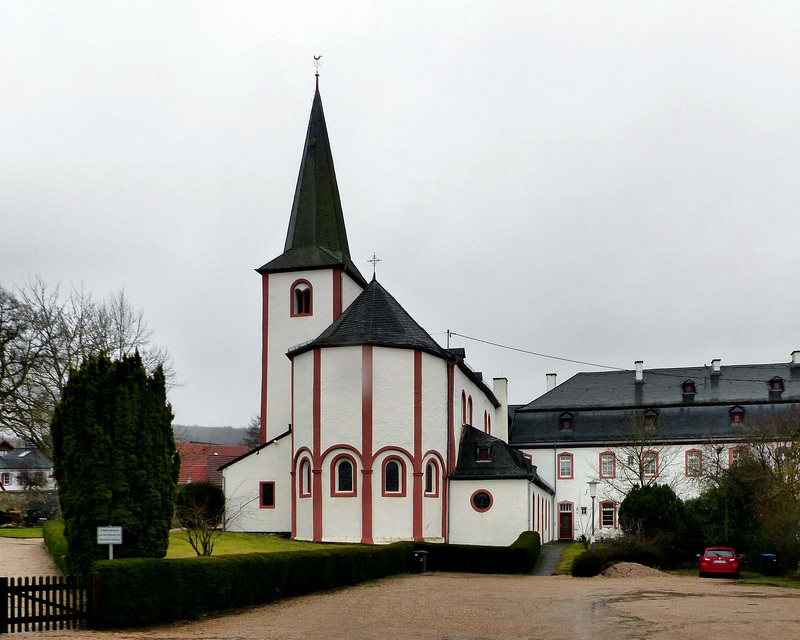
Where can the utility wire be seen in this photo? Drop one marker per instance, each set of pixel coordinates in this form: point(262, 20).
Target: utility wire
point(605, 366)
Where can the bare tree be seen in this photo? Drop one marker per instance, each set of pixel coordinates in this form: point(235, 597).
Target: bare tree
point(641, 458)
point(44, 335)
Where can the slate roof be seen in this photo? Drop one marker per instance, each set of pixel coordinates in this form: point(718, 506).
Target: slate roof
point(504, 462)
point(25, 458)
point(374, 318)
point(603, 404)
point(316, 238)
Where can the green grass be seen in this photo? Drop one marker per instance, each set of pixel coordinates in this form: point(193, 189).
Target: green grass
point(564, 566)
point(748, 578)
point(24, 532)
point(229, 543)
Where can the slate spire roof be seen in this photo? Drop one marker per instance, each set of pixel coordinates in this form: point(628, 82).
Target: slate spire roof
point(375, 318)
point(317, 238)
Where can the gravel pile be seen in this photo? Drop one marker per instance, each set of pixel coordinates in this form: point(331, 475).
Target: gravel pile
point(630, 570)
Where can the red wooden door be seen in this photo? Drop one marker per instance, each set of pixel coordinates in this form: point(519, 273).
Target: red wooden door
point(565, 525)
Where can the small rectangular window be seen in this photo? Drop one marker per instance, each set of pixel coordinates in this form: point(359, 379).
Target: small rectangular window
point(267, 495)
point(483, 454)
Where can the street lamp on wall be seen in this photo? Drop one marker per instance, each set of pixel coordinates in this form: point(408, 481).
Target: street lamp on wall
point(593, 493)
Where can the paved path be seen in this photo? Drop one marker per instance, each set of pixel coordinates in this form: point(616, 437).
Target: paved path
point(550, 555)
point(26, 557)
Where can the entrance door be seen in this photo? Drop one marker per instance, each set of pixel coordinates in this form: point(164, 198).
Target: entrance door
point(565, 529)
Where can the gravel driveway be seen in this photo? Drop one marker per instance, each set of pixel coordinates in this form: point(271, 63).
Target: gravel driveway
point(468, 606)
point(26, 557)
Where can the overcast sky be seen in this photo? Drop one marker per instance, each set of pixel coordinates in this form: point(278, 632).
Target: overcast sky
point(601, 181)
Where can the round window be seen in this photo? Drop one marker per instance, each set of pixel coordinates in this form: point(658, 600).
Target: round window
point(481, 500)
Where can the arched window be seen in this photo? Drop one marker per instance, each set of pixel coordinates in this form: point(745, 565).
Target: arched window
point(305, 478)
point(432, 479)
point(394, 477)
point(489, 424)
point(302, 298)
point(469, 409)
point(343, 480)
point(463, 408)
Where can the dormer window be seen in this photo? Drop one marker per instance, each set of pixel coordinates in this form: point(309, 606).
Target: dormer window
point(737, 415)
point(302, 298)
point(650, 418)
point(566, 421)
point(776, 384)
point(688, 387)
point(483, 454)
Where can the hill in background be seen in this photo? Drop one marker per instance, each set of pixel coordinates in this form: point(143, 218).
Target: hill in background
point(212, 435)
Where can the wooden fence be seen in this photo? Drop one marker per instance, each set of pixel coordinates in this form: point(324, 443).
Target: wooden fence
point(43, 603)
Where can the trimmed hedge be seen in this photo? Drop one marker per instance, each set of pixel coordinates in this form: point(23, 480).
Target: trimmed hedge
point(520, 557)
point(56, 543)
point(142, 591)
point(588, 564)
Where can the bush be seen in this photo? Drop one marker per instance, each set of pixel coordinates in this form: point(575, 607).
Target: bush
point(142, 591)
point(519, 557)
point(652, 510)
point(56, 543)
point(588, 564)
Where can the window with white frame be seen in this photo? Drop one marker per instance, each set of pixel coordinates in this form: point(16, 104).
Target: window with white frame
point(565, 466)
point(6, 479)
point(650, 463)
point(608, 515)
point(343, 476)
point(694, 462)
point(305, 478)
point(607, 465)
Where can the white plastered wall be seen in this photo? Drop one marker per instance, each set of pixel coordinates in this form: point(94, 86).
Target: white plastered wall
point(241, 482)
point(501, 525)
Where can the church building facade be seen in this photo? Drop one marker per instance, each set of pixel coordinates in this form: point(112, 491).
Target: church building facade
point(371, 431)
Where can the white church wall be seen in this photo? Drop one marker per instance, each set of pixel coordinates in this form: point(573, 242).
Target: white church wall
point(341, 516)
point(393, 399)
point(242, 484)
point(350, 291)
point(392, 514)
point(500, 524)
point(285, 331)
point(481, 405)
point(340, 397)
point(303, 400)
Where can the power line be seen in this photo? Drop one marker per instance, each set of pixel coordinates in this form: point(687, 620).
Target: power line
point(605, 366)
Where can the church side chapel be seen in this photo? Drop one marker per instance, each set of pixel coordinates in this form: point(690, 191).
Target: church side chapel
point(371, 431)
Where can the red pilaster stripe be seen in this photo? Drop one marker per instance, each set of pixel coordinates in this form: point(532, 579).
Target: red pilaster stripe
point(366, 444)
point(264, 353)
point(317, 446)
point(417, 488)
point(337, 293)
point(294, 480)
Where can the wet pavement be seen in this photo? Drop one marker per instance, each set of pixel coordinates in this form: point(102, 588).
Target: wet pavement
point(549, 557)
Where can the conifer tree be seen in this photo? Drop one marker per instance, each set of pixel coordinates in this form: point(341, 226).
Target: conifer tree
point(115, 459)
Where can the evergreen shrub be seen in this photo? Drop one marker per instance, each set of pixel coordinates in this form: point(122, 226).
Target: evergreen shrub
point(519, 557)
point(142, 591)
point(588, 564)
point(56, 543)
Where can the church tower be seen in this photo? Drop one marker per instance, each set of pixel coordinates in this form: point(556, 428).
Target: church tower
point(308, 286)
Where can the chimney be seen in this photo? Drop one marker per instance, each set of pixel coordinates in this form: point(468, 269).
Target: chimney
point(716, 366)
point(795, 358)
point(551, 381)
point(639, 372)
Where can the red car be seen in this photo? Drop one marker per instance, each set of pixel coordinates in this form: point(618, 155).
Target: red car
point(719, 560)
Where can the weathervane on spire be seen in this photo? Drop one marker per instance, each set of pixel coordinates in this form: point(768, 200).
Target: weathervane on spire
point(316, 64)
point(374, 260)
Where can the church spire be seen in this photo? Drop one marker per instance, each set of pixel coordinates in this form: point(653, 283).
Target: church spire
point(316, 237)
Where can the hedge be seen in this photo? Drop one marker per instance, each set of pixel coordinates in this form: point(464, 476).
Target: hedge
point(520, 557)
point(56, 543)
point(142, 591)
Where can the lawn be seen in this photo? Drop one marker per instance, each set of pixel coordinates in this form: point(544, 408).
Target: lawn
point(24, 532)
point(564, 567)
point(228, 543)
